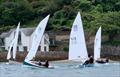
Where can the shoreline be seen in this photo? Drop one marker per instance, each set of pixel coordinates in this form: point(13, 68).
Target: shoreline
point(42, 56)
point(51, 56)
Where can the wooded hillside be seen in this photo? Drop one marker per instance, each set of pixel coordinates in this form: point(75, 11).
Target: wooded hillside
point(95, 13)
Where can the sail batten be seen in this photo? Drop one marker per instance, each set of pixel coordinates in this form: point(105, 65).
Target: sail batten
point(77, 46)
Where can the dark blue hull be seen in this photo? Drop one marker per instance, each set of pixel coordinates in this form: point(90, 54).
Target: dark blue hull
point(101, 62)
point(36, 65)
point(33, 64)
point(25, 63)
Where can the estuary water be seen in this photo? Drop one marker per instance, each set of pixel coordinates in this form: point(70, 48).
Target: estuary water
point(61, 69)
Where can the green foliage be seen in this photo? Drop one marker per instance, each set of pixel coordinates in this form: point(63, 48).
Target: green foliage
point(94, 13)
point(2, 49)
point(85, 6)
point(13, 12)
point(113, 42)
point(66, 49)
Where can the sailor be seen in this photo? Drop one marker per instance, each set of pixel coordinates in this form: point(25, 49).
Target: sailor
point(91, 60)
point(39, 63)
point(107, 60)
point(46, 64)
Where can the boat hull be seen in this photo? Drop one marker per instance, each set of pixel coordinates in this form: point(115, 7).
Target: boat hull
point(12, 62)
point(102, 60)
point(36, 65)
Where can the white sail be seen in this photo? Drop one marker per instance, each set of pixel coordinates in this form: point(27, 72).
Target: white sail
point(9, 51)
point(97, 44)
point(15, 41)
point(77, 46)
point(38, 33)
point(13, 44)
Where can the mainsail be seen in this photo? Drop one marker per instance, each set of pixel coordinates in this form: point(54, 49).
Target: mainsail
point(14, 44)
point(16, 41)
point(97, 44)
point(37, 36)
point(77, 45)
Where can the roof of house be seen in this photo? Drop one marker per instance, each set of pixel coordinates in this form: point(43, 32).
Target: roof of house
point(26, 31)
point(6, 34)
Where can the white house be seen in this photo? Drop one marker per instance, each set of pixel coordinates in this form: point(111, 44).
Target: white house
point(24, 40)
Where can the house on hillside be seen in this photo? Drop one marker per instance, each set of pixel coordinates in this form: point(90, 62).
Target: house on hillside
point(24, 40)
point(58, 40)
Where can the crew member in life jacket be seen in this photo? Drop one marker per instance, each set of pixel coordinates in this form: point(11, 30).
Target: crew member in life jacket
point(39, 63)
point(46, 64)
point(89, 61)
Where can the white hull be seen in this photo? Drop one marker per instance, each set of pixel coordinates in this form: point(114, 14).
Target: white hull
point(12, 62)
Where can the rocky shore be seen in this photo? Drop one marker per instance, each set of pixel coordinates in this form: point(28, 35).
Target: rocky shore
point(51, 56)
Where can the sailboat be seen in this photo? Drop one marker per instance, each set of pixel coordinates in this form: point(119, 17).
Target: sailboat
point(77, 44)
point(97, 45)
point(37, 36)
point(97, 48)
point(13, 45)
